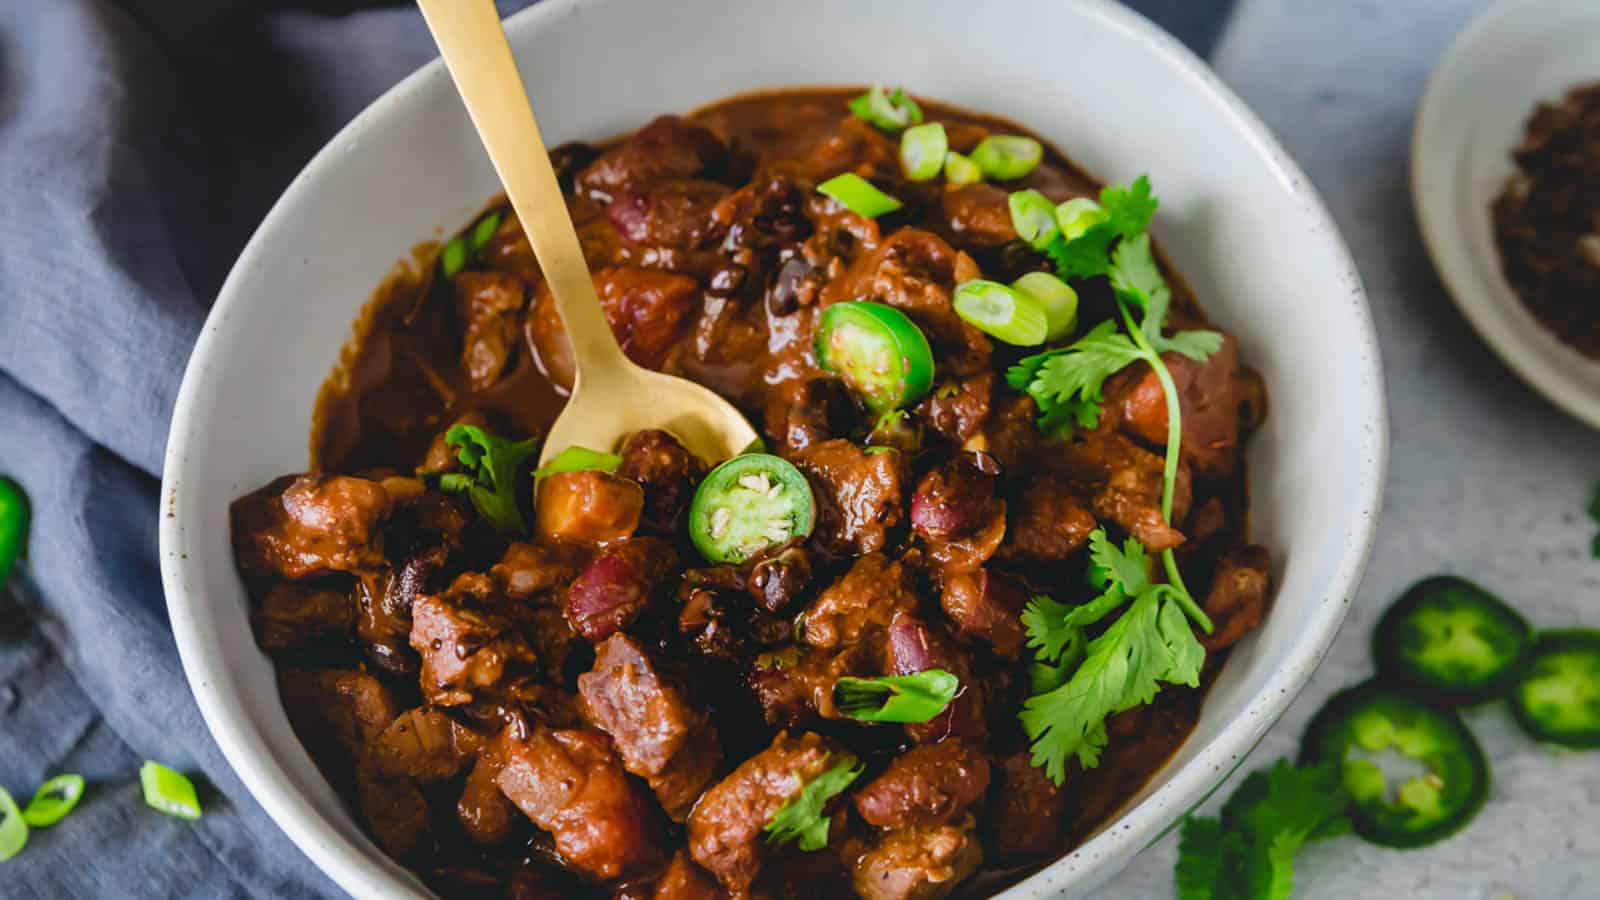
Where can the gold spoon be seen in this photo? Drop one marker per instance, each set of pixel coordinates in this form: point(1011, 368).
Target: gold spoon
point(611, 396)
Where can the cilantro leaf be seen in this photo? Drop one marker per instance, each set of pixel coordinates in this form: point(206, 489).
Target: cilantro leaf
point(917, 697)
point(800, 819)
point(577, 459)
point(1248, 853)
point(1137, 280)
point(494, 468)
point(1148, 644)
point(1128, 212)
point(1069, 381)
point(1049, 633)
point(1055, 630)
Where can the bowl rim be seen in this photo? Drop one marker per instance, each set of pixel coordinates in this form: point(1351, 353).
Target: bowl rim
point(353, 867)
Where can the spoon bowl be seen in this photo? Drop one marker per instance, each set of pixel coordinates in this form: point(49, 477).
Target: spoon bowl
point(611, 396)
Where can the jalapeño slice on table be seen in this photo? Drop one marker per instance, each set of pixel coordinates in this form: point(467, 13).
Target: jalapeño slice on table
point(882, 355)
point(1451, 641)
point(1445, 777)
point(13, 527)
point(1556, 695)
point(749, 504)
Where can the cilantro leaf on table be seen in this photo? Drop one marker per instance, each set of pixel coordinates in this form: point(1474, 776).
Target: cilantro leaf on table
point(801, 818)
point(1123, 667)
point(1248, 853)
point(494, 469)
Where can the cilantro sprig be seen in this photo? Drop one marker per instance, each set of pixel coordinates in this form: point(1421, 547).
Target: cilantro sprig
point(801, 819)
point(1151, 643)
point(1248, 852)
point(494, 469)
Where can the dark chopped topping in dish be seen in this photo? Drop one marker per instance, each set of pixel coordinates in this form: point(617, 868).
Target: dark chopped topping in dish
point(1547, 220)
point(638, 674)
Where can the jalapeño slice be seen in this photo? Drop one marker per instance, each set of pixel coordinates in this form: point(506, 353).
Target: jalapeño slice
point(749, 504)
point(882, 355)
point(1368, 727)
point(13, 527)
point(1556, 696)
point(1451, 641)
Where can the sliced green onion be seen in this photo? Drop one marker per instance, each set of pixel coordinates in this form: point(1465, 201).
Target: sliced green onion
point(578, 459)
point(1077, 216)
point(891, 112)
point(13, 828)
point(1033, 216)
point(484, 230)
point(960, 170)
point(13, 527)
point(1059, 300)
point(453, 258)
point(922, 150)
point(54, 799)
point(1001, 312)
point(858, 195)
point(169, 791)
point(896, 698)
point(1007, 156)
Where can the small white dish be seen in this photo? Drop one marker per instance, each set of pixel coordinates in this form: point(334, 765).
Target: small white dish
point(1515, 55)
point(1118, 94)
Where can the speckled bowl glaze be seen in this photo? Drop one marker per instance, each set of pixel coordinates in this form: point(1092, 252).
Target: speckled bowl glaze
point(1116, 93)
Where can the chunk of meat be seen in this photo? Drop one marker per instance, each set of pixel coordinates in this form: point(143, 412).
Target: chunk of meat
point(467, 645)
point(717, 619)
point(806, 413)
point(986, 606)
point(529, 570)
point(305, 525)
point(291, 615)
point(483, 810)
point(424, 744)
point(1239, 595)
point(684, 880)
point(796, 690)
point(488, 306)
point(914, 271)
point(915, 646)
point(660, 735)
point(672, 213)
point(1049, 521)
point(647, 310)
point(854, 146)
point(572, 785)
point(766, 213)
point(779, 576)
point(667, 471)
point(1124, 483)
point(588, 507)
point(931, 784)
point(336, 713)
point(860, 495)
point(918, 863)
point(1027, 811)
point(668, 147)
point(869, 595)
point(1210, 397)
point(395, 811)
point(958, 409)
point(617, 586)
point(978, 216)
point(1010, 434)
point(725, 826)
point(383, 611)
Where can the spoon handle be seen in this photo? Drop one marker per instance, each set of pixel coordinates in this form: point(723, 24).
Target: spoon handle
point(475, 51)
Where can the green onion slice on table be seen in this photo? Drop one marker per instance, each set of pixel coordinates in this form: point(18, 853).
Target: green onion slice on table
point(53, 800)
point(13, 830)
point(1002, 312)
point(169, 791)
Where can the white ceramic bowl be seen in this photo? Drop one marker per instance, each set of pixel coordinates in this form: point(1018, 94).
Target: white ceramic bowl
point(1518, 53)
point(1120, 96)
